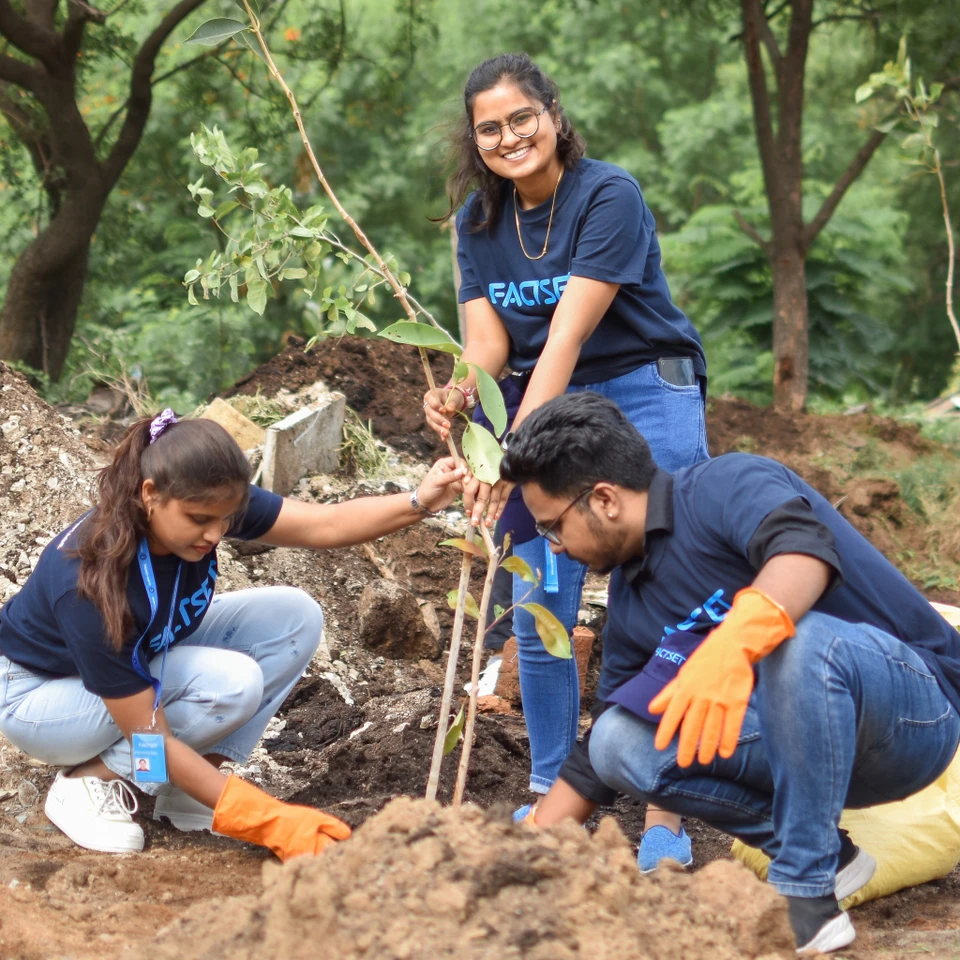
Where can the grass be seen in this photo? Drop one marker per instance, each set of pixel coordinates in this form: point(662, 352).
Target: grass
point(361, 454)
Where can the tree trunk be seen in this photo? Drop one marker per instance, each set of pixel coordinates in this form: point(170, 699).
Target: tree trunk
point(791, 346)
point(40, 310)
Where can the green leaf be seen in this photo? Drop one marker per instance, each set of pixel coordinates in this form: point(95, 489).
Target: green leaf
point(935, 90)
point(461, 371)
point(216, 31)
point(228, 206)
point(520, 567)
point(453, 734)
point(551, 631)
point(304, 233)
point(205, 211)
point(483, 453)
point(470, 609)
point(247, 39)
point(292, 273)
point(914, 140)
point(191, 276)
point(235, 287)
point(257, 296)
point(192, 297)
point(477, 548)
point(420, 335)
point(498, 611)
point(491, 400)
point(864, 92)
point(256, 188)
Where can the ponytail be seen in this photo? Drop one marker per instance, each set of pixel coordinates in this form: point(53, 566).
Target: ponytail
point(190, 460)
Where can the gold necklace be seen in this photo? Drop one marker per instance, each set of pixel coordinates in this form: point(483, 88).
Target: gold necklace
point(516, 217)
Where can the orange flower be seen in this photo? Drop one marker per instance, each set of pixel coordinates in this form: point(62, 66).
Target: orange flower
point(292, 34)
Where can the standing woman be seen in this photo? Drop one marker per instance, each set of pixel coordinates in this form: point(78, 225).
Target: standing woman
point(118, 663)
point(562, 283)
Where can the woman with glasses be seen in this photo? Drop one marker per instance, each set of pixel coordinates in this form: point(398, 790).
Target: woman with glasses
point(562, 283)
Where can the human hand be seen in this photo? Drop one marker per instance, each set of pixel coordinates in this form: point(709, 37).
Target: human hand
point(489, 501)
point(440, 405)
point(246, 812)
point(442, 485)
point(708, 698)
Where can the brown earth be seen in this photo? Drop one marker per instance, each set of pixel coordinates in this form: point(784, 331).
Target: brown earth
point(352, 758)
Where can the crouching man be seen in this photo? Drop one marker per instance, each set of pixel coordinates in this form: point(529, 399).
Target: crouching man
point(763, 665)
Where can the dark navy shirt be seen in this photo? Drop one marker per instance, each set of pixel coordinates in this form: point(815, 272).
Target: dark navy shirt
point(49, 629)
point(710, 528)
point(602, 230)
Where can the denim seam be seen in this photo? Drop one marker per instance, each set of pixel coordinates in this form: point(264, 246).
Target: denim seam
point(709, 798)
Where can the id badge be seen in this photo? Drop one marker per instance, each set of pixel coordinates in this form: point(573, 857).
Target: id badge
point(149, 758)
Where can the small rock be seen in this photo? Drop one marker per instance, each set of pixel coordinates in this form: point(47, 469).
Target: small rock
point(27, 793)
point(391, 622)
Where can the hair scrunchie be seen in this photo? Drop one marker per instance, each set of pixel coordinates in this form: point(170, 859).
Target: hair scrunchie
point(160, 423)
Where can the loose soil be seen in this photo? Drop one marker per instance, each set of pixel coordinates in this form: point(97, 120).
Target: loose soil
point(358, 732)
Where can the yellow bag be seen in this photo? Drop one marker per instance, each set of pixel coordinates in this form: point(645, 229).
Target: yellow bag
point(913, 841)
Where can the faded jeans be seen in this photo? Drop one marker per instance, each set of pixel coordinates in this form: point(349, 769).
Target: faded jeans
point(843, 715)
point(671, 419)
point(221, 686)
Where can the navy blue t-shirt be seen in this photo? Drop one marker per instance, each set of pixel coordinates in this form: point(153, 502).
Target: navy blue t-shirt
point(729, 516)
point(602, 230)
point(49, 629)
point(710, 529)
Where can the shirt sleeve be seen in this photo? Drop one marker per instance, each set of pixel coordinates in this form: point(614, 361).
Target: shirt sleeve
point(261, 514)
point(470, 288)
point(578, 772)
point(103, 671)
point(793, 527)
point(614, 240)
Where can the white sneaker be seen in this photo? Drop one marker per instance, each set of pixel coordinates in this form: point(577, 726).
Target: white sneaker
point(183, 811)
point(94, 813)
point(856, 874)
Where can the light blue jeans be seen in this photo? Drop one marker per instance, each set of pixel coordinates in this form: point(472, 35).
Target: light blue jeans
point(843, 715)
point(671, 420)
point(221, 686)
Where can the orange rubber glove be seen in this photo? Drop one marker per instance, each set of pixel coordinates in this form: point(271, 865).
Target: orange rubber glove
point(711, 691)
point(245, 812)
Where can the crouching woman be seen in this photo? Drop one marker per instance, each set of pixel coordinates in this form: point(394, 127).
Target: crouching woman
point(118, 663)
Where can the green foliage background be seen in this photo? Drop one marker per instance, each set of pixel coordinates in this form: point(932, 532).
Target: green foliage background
point(658, 90)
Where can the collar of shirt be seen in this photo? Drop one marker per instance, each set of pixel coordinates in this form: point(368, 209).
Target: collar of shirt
point(659, 520)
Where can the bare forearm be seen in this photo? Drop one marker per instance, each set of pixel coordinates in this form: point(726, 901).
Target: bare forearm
point(551, 377)
point(192, 774)
point(795, 581)
point(562, 802)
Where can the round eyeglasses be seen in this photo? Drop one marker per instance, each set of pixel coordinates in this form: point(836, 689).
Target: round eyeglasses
point(524, 123)
point(549, 530)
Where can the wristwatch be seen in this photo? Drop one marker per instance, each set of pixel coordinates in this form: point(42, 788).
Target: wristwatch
point(418, 506)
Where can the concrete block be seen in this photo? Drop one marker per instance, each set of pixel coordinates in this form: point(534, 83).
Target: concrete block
point(303, 444)
point(247, 434)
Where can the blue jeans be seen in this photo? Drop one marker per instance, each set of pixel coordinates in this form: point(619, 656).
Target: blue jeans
point(221, 686)
point(671, 420)
point(843, 715)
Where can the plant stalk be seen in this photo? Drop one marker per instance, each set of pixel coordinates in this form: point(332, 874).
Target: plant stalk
point(951, 251)
point(492, 563)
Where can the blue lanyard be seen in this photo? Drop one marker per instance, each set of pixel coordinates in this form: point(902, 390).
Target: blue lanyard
point(150, 583)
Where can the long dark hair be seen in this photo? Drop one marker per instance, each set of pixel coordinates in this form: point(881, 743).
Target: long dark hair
point(471, 172)
point(190, 460)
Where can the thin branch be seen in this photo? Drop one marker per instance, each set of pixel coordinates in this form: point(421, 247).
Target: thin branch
point(770, 42)
point(951, 251)
point(869, 17)
point(752, 232)
point(20, 74)
point(375, 269)
point(770, 17)
point(830, 204)
point(141, 89)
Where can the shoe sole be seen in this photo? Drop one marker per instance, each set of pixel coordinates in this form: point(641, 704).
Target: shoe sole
point(835, 935)
point(64, 826)
point(686, 865)
point(856, 875)
point(187, 822)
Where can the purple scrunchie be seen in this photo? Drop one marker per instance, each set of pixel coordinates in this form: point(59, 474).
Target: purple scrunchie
point(160, 423)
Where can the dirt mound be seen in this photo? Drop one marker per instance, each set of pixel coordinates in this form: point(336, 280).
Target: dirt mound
point(383, 381)
point(419, 881)
point(46, 478)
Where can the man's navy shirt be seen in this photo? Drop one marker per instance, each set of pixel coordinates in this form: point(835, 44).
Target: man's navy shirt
point(49, 629)
point(709, 530)
point(601, 230)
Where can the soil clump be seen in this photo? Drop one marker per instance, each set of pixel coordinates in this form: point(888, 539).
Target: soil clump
point(421, 881)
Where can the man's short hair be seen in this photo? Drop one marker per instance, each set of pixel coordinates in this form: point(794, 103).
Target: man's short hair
point(575, 441)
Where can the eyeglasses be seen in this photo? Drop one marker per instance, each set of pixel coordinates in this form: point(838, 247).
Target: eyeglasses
point(548, 530)
point(524, 123)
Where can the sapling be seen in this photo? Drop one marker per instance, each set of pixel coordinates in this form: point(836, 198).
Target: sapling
point(285, 244)
point(917, 107)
